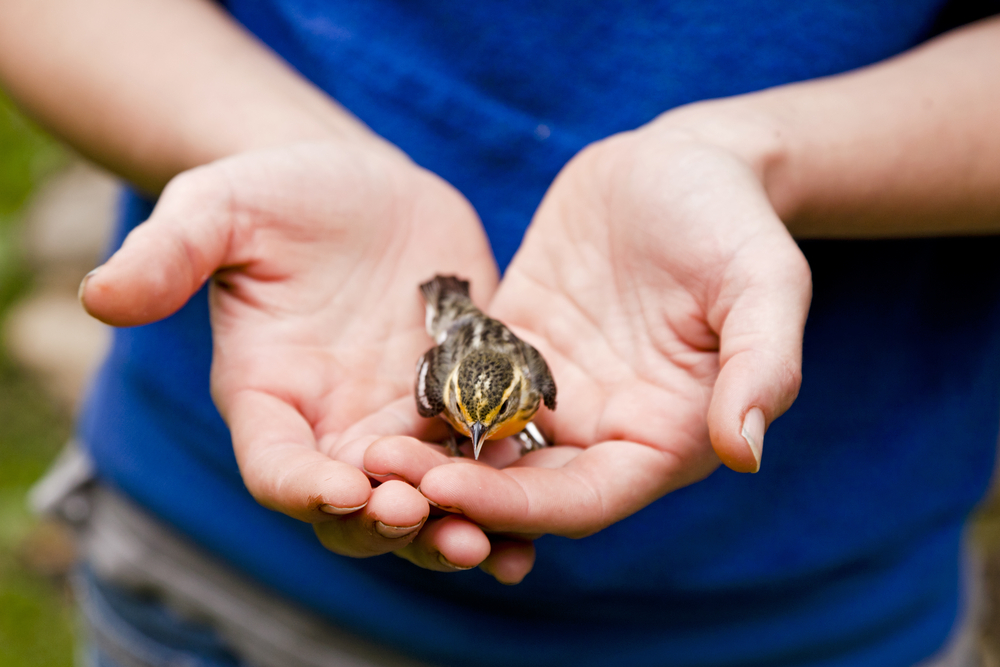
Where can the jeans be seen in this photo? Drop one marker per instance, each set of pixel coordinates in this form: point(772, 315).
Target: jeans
point(125, 629)
point(151, 599)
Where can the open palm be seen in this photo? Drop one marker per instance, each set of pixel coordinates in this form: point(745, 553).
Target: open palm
point(669, 301)
point(315, 252)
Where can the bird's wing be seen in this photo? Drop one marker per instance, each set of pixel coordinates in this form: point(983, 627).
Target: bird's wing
point(429, 387)
point(541, 377)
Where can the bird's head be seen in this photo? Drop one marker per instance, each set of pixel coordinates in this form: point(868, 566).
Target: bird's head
point(486, 395)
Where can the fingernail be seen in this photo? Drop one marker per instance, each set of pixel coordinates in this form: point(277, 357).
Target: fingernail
point(487, 567)
point(447, 563)
point(395, 532)
point(83, 285)
point(333, 509)
point(453, 510)
point(374, 474)
point(440, 507)
point(753, 433)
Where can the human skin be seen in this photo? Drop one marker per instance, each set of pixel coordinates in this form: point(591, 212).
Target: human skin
point(300, 214)
point(679, 304)
point(687, 321)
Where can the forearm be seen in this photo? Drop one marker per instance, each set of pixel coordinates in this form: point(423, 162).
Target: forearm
point(152, 88)
point(907, 147)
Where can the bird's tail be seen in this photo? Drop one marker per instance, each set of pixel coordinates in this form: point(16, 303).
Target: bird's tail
point(447, 299)
point(441, 286)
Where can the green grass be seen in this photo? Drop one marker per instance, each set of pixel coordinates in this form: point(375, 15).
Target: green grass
point(36, 626)
point(27, 156)
point(36, 619)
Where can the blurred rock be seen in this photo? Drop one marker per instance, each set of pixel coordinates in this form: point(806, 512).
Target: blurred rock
point(50, 333)
point(68, 222)
point(991, 617)
point(49, 549)
point(65, 234)
point(990, 658)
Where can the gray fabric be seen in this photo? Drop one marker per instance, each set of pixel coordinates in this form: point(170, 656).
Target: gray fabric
point(112, 641)
point(126, 546)
point(963, 647)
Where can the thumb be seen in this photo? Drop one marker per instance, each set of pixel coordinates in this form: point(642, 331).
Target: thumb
point(166, 259)
point(760, 355)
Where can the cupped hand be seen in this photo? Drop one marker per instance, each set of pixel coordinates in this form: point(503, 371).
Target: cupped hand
point(670, 303)
point(315, 253)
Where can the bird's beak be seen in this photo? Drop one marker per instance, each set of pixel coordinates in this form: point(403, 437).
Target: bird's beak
point(478, 430)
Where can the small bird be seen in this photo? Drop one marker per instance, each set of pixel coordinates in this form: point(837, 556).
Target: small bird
point(481, 378)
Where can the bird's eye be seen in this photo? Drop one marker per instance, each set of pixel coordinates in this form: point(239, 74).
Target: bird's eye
point(504, 407)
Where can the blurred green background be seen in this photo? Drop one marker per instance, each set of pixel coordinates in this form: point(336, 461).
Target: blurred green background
point(36, 618)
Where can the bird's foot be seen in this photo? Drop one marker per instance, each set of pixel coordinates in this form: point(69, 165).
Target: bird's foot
point(531, 439)
point(451, 444)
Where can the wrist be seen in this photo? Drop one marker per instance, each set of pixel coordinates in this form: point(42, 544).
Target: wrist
point(315, 119)
point(749, 130)
point(900, 148)
point(185, 145)
point(148, 117)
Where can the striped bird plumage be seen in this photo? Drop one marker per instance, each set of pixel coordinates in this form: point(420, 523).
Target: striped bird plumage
point(481, 378)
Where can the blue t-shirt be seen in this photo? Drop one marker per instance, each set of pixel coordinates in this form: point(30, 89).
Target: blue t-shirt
point(843, 550)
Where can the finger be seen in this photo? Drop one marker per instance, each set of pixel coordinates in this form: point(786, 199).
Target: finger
point(396, 432)
point(406, 458)
point(281, 467)
point(760, 358)
point(555, 456)
point(601, 485)
point(497, 453)
point(392, 519)
point(509, 561)
point(166, 259)
point(450, 544)
point(410, 459)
